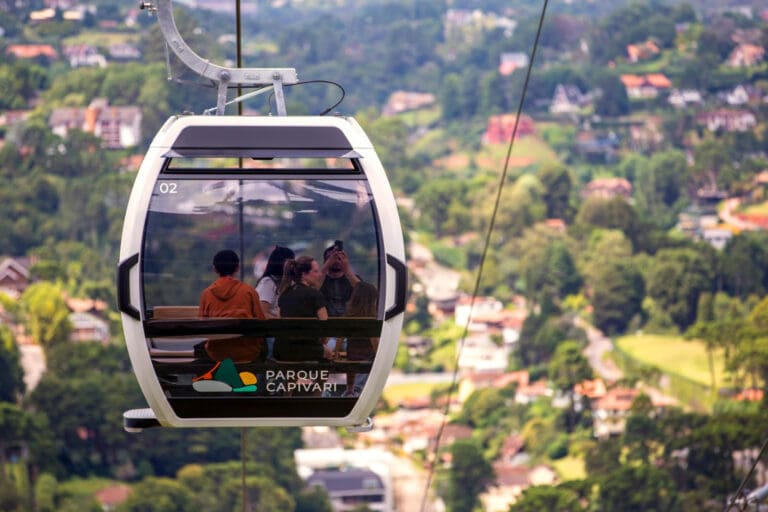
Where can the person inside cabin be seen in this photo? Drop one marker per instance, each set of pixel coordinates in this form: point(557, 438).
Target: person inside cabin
point(338, 279)
point(228, 297)
point(362, 304)
point(268, 284)
point(299, 297)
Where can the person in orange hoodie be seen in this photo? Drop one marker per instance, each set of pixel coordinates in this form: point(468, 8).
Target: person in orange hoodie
point(228, 297)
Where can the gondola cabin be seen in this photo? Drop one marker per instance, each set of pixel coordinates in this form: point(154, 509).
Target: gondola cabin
point(246, 185)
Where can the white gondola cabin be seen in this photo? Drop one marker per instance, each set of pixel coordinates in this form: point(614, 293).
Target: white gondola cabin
point(248, 184)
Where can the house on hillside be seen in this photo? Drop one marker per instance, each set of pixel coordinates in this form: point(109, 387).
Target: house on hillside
point(533, 391)
point(13, 117)
point(610, 412)
point(497, 379)
point(729, 120)
point(112, 496)
point(465, 306)
point(743, 94)
point(607, 188)
point(682, 98)
point(648, 135)
point(351, 488)
point(500, 128)
point(568, 99)
point(404, 101)
point(14, 276)
point(510, 61)
point(746, 55)
point(123, 52)
point(645, 86)
point(83, 55)
point(642, 51)
point(118, 127)
point(32, 51)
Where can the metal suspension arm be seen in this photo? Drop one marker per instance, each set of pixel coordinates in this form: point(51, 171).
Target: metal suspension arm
point(224, 77)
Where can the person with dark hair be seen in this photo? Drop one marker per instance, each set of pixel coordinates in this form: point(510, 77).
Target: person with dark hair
point(269, 281)
point(299, 297)
point(267, 286)
point(228, 297)
point(339, 279)
point(362, 304)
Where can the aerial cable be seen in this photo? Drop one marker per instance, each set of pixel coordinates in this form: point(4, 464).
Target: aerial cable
point(755, 496)
point(243, 430)
point(486, 246)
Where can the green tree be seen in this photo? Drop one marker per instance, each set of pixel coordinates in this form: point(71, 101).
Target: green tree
point(483, 407)
point(442, 204)
point(567, 368)
point(46, 314)
point(158, 495)
point(613, 100)
point(46, 488)
point(11, 373)
point(641, 434)
point(546, 264)
point(678, 277)
point(638, 489)
point(544, 497)
point(468, 476)
point(558, 192)
point(661, 187)
point(313, 499)
point(613, 213)
point(604, 246)
point(603, 458)
point(617, 296)
point(744, 264)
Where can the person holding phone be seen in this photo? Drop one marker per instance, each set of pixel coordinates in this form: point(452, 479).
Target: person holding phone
point(339, 279)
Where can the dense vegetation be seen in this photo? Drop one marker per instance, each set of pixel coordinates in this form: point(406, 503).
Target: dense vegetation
point(621, 263)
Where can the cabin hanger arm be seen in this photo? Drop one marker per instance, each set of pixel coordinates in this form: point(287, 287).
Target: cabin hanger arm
point(223, 77)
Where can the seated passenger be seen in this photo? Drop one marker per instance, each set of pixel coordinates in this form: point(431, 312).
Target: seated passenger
point(229, 297)
point(338, 279)
point(299, 297)
point(268, 284)
point(362, 304)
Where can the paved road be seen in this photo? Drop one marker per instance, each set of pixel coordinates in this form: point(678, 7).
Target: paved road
point(439, 282)
point(33, 363)
point(598, 345)
point(397, 377)
point(409, 484)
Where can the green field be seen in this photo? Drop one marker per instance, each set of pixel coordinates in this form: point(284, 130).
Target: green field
point(102, 39)
point(756, 209)
point(397, 393)
point(674, 355)
point(570, 468)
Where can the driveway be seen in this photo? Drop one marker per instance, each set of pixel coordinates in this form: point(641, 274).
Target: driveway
point(33, 363)
point(598, 345)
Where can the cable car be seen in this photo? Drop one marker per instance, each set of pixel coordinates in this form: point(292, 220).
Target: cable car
point(248, 184)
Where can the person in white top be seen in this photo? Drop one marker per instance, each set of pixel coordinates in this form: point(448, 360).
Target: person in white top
point(268, 284)
point(270, 280)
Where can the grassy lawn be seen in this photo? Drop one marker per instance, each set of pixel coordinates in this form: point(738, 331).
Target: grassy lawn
point(756, 209)
point(527, 150)
point(395, 394)
point(570, 468)
point(103, 39)
point(84, 486)
point(674, 355)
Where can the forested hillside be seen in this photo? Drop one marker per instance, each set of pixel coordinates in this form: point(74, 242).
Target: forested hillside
point(616, 191)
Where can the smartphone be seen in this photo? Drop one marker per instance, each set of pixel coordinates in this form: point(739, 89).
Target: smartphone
point(339, 245)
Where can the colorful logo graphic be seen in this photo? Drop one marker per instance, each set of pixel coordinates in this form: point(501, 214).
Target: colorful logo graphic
point(224, 378)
